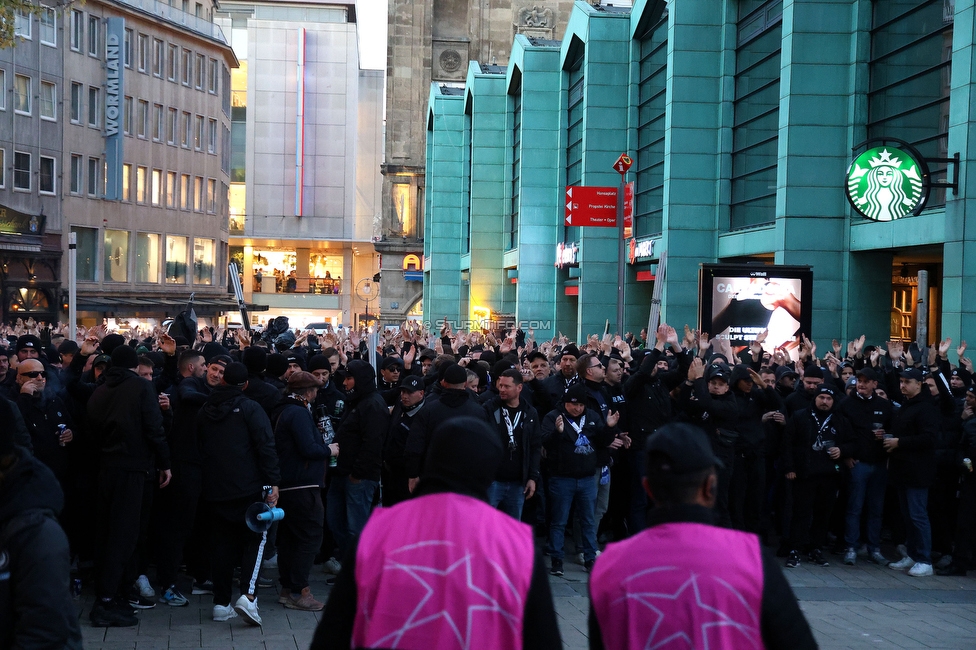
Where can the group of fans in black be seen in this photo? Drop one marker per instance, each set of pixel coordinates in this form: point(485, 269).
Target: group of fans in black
point(160, 444)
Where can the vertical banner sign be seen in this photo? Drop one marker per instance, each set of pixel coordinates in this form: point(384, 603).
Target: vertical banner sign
point(300, 126)
point(629, 210)
point(114, 91)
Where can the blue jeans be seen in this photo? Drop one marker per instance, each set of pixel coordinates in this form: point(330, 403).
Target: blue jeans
point(563, 491)
point(509, 497)
point(867, 490)
point(914, 510)
point(348, 509)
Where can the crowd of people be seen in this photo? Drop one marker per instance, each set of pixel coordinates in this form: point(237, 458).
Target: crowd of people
point(160, 444)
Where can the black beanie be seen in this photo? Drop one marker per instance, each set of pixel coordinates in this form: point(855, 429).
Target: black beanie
point(319, 362)
point(112, 341)
point(463, 456)
point(455, 374)
point(124, 357)
point(211, 350)
point(235, 374)
point(255, 359)
point(277, 365)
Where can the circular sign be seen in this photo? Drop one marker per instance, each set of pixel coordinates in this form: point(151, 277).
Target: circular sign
point(885, 183)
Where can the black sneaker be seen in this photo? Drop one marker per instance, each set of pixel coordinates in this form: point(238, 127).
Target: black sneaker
point(202, 588)
point(817, 557)
point(138, 601)
point(588, 565)
point(793, 560)
point(265, 583)
point(110, 615)
point(557, 568)
point(952, 570)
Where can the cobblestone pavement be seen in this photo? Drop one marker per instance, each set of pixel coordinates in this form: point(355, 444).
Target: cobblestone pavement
point(864, 606)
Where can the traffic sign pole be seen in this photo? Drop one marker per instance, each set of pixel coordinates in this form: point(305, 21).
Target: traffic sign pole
point(621, 166)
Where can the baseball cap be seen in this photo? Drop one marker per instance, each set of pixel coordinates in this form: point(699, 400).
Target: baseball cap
point(221, 360)
point(412, 383)
point(912, 373)
point(389, 362)
point(679, 449)
point(575, 395)
point(717, 371)
point(101, 359)
point(868, 373)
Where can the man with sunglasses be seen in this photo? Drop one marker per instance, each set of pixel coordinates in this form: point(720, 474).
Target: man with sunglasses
point(44, 415)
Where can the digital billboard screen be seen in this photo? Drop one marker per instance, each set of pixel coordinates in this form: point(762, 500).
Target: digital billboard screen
point(738, 301)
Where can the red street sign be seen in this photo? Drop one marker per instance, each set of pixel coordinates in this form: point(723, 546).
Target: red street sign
point(628, 210)
point(591, 206)
point(623, 164)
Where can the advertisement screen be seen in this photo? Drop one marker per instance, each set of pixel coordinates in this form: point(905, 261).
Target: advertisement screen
point(738, 301)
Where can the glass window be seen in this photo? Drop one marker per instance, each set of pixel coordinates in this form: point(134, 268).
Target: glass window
point(22, 94)
point(201, 71)
point(198, 194)
point(76, 171)
point(511, 239)
point(49, 30)
point(157, 187)
point(93, 106)
point(45, 183)
point(755, 128)
point(142, 118)
point(652, 88)
point(87, 252)
point(127, 182)
point(22, 24)
point(157, 67)
point(76, 90)
point(127, 49)
point(185, 191)
point(147, 257)
point(175, 259)
point(127, 116)
point(172, 190)
point(574, 140)
point(3, 168)
point(185, 131)
point(93, 173)
point(143, 52)
point(157, 122)
point(3, 89)
point(212, 77)
point(94, 27)
point(77, 29)
point(171, 127)
point(116, 255)
point(212, 136)
point(198, 133)
point(172, 64)
point(142, 187)
point(22, 171)
point(48, 101)
point(212, 195)
point(203, 261)
point(187, 68)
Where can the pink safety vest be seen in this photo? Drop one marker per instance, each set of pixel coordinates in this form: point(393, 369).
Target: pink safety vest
point(442, 571)
point(680, 585)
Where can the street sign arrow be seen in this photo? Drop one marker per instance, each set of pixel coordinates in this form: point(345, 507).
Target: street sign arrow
point(591, 206)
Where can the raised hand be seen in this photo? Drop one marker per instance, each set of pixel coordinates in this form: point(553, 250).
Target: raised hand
point(961, 350)
point(835, 344)
point(696, 370)
point(944, 347)
point(895, 350)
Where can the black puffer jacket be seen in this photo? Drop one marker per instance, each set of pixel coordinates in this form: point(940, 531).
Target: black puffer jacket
point(565, 455)
point(452, 404)
point(189, 396)
point(124, 414)
point(42, 414)
point(237, 446)
point(912, 464)
point(803, 451)
point(364, 425)
point(36, 610)
point(301, 450)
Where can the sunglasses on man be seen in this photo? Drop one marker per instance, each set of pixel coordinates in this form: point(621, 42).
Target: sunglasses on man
point(34, 374)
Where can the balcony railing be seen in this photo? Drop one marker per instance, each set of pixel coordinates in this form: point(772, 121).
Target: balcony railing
point(326, 286)
point(178, 17)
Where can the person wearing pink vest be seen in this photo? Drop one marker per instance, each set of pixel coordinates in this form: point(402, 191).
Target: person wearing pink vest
point(683, 580)
point(444, 569)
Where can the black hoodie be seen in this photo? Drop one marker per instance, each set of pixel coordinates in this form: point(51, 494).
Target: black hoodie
point(124, 414)
point(35, 603)
point(363, 429)
point(452, 404)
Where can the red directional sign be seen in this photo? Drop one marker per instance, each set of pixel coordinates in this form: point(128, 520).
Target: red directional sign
point(591, 206)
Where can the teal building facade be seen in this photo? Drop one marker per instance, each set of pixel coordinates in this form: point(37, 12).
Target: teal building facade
point(742, 117)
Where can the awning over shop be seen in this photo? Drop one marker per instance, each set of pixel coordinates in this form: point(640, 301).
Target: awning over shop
point(168, 304)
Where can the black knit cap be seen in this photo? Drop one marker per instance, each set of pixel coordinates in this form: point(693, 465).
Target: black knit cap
point(255, 358)
point(112, 341)
point(455, 374)
point(124, 357)
point(235, 374)
point(463, 456)
point(319, 362)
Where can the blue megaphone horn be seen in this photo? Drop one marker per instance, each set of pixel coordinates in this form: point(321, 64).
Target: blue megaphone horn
point(260, 516)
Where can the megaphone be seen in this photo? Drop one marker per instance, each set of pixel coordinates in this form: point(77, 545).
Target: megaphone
point(260, 516)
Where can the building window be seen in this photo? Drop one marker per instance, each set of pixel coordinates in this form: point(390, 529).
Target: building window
point(93, 106)
point(142, 118)
point(652, 90)
point(22, 171)
point(45, 184)
point(94, 28)
point(22, 24)
point(147, 257)
point(171, 127)
point(3, 169)
point(157, 122)
point(76, 90)
point(212, 195)
point(185, 131)
point(127, 116)
point(127, 49)
point(198, 194)
point(172, 191)
point(93, 167)
point(212, 136)
point(172, 62)
point(755, 127)
point(185, 191)
point(513, 216)
point(175, 259)
point(157, 187)
point(201, 71)
point(187, 68)
point(142, 186)
point(116, 255)
point(22, 94)
point(198, 133)
point(49, 93)
point(49, 30)
point(157, 67)
point(77, 29)
point(127, 182)
point(911, 61)
point(76, 172)
point(3, 89)
point(212, 77)
point(203, 261)
point(143, 53)
point(87, 252)
point(574, 128)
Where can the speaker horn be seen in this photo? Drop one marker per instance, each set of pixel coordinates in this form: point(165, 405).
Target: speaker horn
point(260, 516)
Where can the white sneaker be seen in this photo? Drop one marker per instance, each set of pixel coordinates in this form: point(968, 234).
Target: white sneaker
point(579, 558)
point(248, 609)
point(332, 566)
point(145, 589)
point(902, 564)
point(270, 563)
point(878, 558)
point(223, 613)
point(920, 570)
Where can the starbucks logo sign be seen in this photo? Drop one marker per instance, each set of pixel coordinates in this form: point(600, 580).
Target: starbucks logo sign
point(885, 183)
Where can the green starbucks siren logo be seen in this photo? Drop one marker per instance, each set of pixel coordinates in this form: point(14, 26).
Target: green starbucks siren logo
point(885, 183)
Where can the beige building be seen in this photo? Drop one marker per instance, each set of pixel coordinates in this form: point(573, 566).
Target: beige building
point(145, 171)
